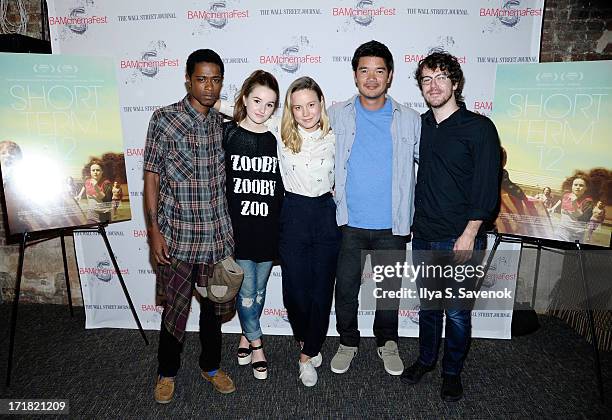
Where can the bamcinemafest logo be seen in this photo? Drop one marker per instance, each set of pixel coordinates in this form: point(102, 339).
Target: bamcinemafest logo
point(77, 20)
point(511, 12)
point(134, 151)
point(364, 12)
point(136, 156)
point(415, 58)
point(102, 270)
point(218, 14)
point(151, 60)
point(442, 42)
point(277, 317)
point(409, 317)
point(292, 56)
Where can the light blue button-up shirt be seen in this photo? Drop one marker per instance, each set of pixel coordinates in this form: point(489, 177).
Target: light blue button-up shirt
point(406, 134)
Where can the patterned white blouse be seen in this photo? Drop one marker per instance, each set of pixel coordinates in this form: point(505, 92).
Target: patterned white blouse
point(309, 172)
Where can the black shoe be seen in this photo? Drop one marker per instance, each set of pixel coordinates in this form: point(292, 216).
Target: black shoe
point(414, 373)
point(452, 390)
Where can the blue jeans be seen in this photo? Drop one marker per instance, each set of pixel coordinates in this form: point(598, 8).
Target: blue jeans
point(252, 296)
point(458, 331)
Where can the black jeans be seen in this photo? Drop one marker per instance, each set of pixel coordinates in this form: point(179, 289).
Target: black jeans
point(170, 349)
point(309, 242)
point(348, 283)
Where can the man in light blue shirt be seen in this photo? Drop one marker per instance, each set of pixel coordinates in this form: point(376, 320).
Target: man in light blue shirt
point(377, 145)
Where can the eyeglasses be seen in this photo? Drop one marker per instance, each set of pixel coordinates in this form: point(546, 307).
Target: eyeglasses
point(440, 78)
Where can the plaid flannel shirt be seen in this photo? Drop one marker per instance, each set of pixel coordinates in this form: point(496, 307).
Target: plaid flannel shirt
point(184, 147)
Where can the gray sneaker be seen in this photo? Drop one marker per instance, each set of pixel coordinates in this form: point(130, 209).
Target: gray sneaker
point(390, 356)
point(341, 362)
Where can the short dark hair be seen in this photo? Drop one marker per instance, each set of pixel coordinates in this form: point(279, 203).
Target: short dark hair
point(373, 49)
point(440, 59)
point(203, 56)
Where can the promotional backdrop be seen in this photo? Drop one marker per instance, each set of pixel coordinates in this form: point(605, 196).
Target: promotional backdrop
point(150, 41)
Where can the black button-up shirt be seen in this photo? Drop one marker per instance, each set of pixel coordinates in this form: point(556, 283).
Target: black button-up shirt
point(458, 178)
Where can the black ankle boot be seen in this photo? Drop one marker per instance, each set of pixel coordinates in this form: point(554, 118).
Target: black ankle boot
point(414, 373)
point(452, 390)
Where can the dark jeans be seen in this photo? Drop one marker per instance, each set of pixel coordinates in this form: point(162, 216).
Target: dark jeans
point(458, 330)
point(348, 283)
point(309, 242)
point(170, 349)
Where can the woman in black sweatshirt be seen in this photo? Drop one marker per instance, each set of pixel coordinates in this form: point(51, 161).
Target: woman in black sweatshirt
point(254, 195)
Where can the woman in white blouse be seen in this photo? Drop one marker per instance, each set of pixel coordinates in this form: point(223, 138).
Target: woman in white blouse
point(309, 236)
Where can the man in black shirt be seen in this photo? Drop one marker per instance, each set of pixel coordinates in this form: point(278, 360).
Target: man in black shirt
point(456, 194)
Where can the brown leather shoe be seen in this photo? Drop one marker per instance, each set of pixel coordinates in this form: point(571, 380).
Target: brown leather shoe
point(221, 381)
point(164, 390)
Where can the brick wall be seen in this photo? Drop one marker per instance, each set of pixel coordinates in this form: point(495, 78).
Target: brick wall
point(33, 8)
point(573, 30)
point(577, 30)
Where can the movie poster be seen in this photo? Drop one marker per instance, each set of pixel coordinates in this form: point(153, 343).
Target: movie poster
point(61, 146)
point(554, 122)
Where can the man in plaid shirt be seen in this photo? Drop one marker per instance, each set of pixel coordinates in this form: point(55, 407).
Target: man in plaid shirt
point(188, 223)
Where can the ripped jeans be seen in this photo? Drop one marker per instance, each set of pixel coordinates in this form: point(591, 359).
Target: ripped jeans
point(252, 296)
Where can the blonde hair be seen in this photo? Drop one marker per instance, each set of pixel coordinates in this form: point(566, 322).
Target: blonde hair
point(289, 126)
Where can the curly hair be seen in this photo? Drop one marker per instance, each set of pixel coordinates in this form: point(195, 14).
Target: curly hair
point(86, 171)
point(598, 183)
point(112, 164)
point(566, 186)
point(440, 59)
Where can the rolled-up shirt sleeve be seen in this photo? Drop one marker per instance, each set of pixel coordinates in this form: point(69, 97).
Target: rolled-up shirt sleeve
point(485, 185)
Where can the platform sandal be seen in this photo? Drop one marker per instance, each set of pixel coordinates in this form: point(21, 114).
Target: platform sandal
point(260, 368)
point(244, 355)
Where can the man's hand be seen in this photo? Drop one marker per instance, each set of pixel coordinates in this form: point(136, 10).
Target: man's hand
point(157, 242)
point(159, 247)
point(464, 247)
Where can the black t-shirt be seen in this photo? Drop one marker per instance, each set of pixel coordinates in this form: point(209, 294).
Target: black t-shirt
point(459, 174)
point(254, 192)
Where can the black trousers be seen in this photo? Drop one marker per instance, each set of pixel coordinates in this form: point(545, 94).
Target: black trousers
point(309, 243)
point(348, 283)
point(170, 349)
